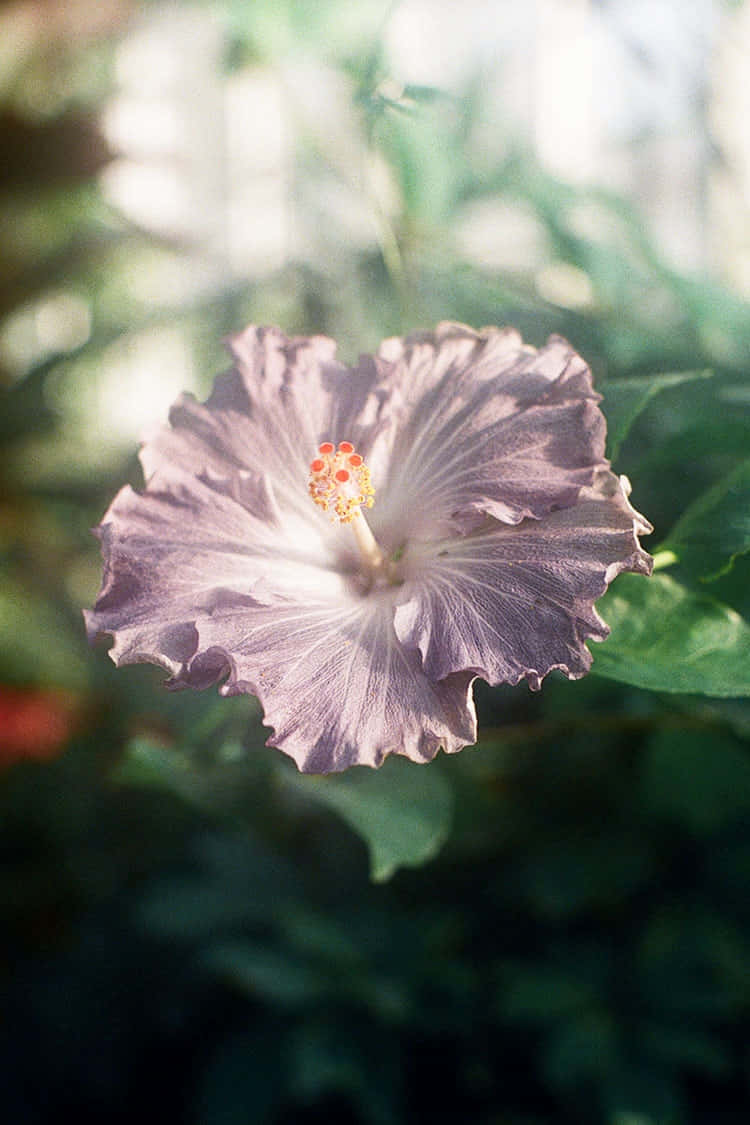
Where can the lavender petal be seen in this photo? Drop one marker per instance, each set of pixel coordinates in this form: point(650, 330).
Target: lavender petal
point(518, 601)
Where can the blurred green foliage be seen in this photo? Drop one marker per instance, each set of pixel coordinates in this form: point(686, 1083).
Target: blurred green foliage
point(189, 929)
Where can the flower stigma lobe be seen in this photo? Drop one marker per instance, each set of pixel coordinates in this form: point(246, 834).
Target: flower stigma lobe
point(339, 481)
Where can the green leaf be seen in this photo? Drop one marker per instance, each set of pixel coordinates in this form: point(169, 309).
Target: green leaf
point(426, 93)
point(402, 811)
point(686, 1047)
point(542, 995)
point(275, 975)
point(699, 782)
point(625, 399)
point(152, 765)
point(725, 437)
point(715, 529)
point(44, 645)
point(666, 638)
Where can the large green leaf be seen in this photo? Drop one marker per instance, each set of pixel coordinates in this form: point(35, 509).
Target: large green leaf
point(715, 529)
point(667, 638)
point(402, 811)
point(625, 399)
point(726, 436)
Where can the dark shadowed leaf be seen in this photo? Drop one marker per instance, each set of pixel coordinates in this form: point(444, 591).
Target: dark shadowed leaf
point(625, 399)
point(699, 782)
point(402, 811)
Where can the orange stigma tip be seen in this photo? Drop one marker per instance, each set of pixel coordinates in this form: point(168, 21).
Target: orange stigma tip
point(339, 481)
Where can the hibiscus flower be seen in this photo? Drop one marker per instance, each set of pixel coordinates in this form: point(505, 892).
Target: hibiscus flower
point(354, 546)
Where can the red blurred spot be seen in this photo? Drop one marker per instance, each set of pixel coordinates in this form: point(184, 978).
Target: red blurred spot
point(35, 724)
point(355, 460)
point(346, 447)
point(317, 465)
point(326, 447)
point(342, 475)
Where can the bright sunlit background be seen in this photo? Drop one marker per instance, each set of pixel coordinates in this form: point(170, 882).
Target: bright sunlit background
point(237, 146)
point(188, 934)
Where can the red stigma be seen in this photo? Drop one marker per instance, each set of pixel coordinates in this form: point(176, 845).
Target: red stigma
point(355, 460)
point(326, 447)
point(317, 465)
point(341, 475)
point(346, 447)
